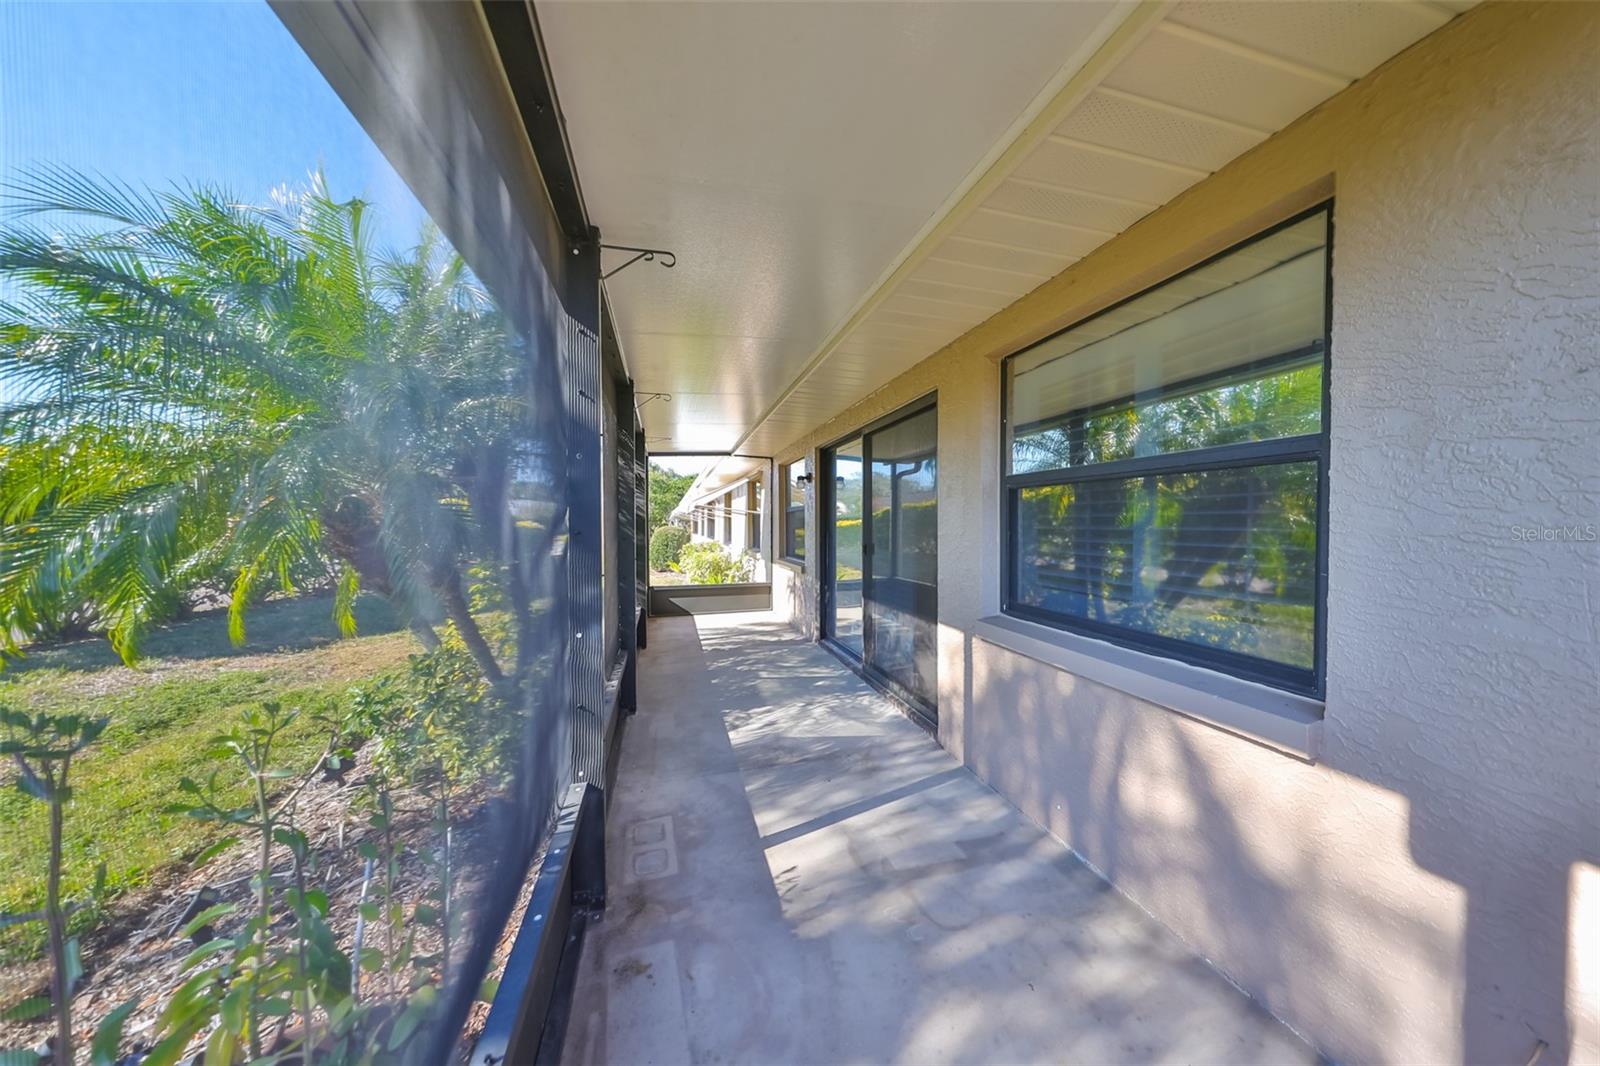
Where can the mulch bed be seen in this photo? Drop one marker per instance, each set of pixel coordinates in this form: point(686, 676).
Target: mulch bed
point(135, 952)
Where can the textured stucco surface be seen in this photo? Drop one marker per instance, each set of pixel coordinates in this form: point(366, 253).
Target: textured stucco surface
point(1417, 894)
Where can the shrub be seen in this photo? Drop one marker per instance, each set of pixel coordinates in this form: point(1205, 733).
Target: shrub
point(711, 564)
point(434, 723)
point(666, 545)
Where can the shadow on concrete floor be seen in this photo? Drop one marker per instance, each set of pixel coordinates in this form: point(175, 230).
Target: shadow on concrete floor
point(799, 874)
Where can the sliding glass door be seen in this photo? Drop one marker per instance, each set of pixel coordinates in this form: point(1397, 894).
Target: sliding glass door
point(901, 592)
point(881, 602)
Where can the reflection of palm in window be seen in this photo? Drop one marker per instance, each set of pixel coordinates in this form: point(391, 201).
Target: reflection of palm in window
point(1170, 460)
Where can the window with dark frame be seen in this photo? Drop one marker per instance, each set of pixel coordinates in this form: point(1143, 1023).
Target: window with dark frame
point(1166, 464)
point(793, 501)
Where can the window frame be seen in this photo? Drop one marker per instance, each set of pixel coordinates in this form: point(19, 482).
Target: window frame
point(786, 551)
point(752, 517)
point(1312, 447)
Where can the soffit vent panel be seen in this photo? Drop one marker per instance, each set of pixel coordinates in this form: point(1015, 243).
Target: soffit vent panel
point(1000, 257)
point(1113, 119)
point(1205, 84)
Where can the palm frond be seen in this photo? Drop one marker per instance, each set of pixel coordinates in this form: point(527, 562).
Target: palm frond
point(197, 387)
point(53, 187)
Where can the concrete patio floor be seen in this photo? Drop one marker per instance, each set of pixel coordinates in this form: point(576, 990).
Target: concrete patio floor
point(799, 874)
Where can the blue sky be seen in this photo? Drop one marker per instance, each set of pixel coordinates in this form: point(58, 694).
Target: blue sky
point(155, 93)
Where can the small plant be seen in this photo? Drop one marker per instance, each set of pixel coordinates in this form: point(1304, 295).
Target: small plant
point(666, 544)
point(486, 589)
point(256, 978)
point(381, 850)
point(431, 732)
point(43, 747)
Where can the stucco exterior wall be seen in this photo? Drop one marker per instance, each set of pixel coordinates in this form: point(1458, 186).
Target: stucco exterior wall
point(794, 586)
point(1417, 894)
point(792, 600)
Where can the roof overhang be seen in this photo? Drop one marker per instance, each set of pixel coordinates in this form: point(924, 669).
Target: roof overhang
point(850, 187)
point(721, 474)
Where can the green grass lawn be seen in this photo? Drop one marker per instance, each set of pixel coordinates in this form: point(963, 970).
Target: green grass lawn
point(191, 685)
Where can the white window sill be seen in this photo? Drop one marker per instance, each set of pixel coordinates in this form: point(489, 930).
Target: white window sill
point(1279, 720)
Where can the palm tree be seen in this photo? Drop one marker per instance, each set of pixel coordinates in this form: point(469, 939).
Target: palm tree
point(192, 388)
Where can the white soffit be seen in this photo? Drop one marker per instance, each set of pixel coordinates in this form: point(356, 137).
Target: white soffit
point(823, 173)
point(787, 153)
point(1176, 94)
point(719, 476)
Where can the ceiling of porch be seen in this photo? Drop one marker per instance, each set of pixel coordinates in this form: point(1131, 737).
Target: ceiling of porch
point(850, 187)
